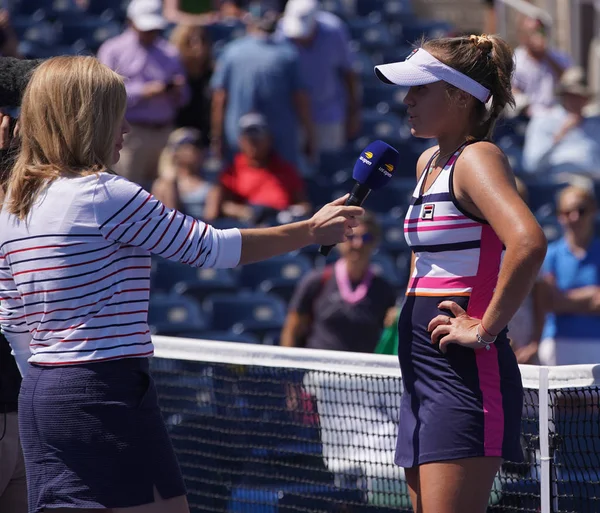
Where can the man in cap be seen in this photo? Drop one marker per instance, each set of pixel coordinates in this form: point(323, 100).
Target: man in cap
point(259, 183)
point(323, 43)
point(259, 73)
point(564, 139)
point(156, 87)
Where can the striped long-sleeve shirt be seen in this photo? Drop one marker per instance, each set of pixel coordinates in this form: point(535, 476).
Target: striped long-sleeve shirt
point(75, 277)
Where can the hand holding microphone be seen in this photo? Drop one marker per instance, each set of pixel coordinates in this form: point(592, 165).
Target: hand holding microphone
point(372, 171)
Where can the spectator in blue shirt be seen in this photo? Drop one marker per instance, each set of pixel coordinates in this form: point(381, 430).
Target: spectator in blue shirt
point(562, 139)
point(323, 43)
point(257, 73)
point(571, 274)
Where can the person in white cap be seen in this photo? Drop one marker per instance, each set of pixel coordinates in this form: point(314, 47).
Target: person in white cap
point(323, 44)
point(477, 250)
point(156, 87)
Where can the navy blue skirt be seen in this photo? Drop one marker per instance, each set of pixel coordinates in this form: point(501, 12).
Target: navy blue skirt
point(93, 437)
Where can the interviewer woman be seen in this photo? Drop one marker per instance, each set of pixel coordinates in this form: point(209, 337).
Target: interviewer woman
point(75, 244)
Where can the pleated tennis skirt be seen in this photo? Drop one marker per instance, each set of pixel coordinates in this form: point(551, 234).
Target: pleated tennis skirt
point(93, 437)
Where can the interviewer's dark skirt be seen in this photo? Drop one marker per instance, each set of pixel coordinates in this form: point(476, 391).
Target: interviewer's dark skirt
point(93, 437)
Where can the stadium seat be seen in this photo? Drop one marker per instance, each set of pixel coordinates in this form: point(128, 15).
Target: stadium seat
point(30, 50)
point(385, 266)
point(174, 315)
point(363, 8)
point(166, 273)
point(393, 241)
point(255, 309)
point(542, 197)
point(370, 33)
point(223, 336)
point(378, 94)
point(28, 29)
point(118, 7)
point(286, 267)
point(423, 28)
point(398, 11)
point(29, 7)
point(363, 66)
point(91, 30)
point(319, 190)
point(387, 127)
point(201, 282)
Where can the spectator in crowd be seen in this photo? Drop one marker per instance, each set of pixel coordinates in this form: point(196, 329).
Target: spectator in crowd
point(195, 49)
point(258, 183)
point(323, 43)
point(180, 184)
point(489, 25)
point(342, 307)
point(9, 42)
point(526, 326)
point(571, 281)
point(538, 67)
point(563, 139)
point(156, 88)
point(259, 73)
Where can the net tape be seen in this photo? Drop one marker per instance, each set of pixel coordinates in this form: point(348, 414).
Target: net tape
point(267, 429)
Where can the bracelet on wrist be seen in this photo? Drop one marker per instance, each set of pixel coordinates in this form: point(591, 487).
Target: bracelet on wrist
point(486, 331)
point(481, 341)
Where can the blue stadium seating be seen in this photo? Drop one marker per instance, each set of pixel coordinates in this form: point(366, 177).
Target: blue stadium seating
point(256, 309)
point(205, 281)
point(363, 65)
point(290, 268)
point(385, 266)
point(370, 34)
point(117, 7)
point(423, 28)
point(28, 7)
point(387, 127)
point(175, 315)
point(223, 336)
point(37, 31)
point(91, 30)
point(393, 235)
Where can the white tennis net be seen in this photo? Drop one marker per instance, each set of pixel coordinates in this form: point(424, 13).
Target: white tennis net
point(268, 429)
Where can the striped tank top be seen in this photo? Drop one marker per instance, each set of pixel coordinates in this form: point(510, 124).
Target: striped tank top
point(456, 254)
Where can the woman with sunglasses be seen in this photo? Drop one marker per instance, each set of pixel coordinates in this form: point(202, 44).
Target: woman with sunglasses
point(476, 252)
point(571, 275)
point(342, 307)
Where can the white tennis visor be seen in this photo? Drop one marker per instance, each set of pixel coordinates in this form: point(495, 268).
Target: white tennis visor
point(421, 68)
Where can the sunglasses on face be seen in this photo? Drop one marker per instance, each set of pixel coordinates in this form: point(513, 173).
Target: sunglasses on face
point(580, 210)
point(366, 238)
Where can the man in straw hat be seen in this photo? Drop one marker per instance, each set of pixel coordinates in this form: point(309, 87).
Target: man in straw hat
point(564, 139)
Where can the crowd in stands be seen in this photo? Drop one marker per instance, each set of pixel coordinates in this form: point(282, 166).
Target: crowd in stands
point(253, 113)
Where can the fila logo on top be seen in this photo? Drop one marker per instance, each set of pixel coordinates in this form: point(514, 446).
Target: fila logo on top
point(365, 159)
point(427, 211)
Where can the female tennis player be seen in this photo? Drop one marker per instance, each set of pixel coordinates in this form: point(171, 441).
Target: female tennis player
point(75, 244)
point(476, 252)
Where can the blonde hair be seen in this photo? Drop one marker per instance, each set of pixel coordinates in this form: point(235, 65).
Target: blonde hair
point(180, 38)
point(190, 135)
point(70, 115)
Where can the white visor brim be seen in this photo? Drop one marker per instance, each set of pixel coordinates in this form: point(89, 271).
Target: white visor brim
point(421, 68)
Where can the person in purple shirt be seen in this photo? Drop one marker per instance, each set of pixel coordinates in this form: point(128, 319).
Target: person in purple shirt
point(323, 44)
point(156, 87)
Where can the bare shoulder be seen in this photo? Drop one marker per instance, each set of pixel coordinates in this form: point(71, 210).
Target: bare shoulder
point(424, 159)
point(484, 158)
point(485, 150)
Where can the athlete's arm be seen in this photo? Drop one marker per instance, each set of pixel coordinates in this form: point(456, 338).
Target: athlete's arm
point(484, 185)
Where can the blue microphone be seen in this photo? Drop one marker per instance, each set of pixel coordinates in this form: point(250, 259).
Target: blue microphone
point(373, 169)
